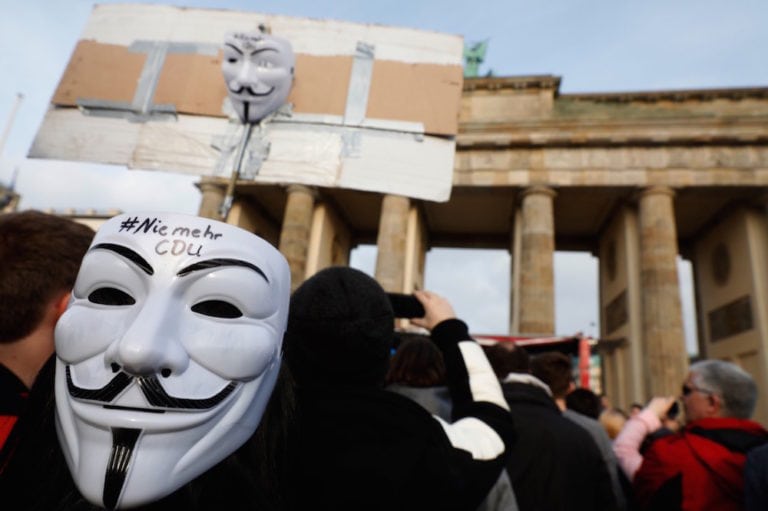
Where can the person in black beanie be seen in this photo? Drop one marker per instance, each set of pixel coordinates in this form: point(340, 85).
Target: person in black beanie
point(360, 447)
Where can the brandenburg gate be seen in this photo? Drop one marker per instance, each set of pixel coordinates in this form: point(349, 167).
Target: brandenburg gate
point(636, 178)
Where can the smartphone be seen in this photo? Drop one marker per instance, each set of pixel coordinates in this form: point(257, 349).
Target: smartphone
point(406, 306)
point(673, 411)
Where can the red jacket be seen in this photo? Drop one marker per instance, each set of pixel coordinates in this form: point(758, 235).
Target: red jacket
point(13, 396)
point(700, 468)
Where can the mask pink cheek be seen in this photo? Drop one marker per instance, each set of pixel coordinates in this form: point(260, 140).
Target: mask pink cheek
point(83, 332)
point(235, 352)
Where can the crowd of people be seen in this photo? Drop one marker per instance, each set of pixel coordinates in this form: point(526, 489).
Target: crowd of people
point(194, 380)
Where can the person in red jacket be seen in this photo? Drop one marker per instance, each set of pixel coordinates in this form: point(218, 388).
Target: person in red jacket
point(701, 467)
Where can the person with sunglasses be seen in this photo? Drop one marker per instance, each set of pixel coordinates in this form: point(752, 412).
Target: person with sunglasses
point(701, 466)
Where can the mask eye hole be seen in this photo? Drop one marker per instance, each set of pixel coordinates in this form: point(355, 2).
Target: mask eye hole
point(217, 309)
point(232, 60)
point(111, 296)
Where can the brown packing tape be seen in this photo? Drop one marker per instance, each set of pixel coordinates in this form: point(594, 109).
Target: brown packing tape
point(320, 85)
point(420, 93)
point(425, 93)
point(99, 71)
point(193, 83)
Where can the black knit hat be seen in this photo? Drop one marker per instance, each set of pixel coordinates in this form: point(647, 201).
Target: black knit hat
point(340, 330)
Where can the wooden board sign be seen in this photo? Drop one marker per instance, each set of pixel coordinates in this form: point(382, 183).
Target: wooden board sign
point(143, 88)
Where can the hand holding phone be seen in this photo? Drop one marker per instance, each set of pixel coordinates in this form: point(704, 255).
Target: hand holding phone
point(661, 406)
point(673, 411)
point(437, 309)
point(406, 306)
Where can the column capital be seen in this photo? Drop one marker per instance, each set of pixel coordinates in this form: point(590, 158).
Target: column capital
point(656, 190)
point(538, 190)
point(299, 188)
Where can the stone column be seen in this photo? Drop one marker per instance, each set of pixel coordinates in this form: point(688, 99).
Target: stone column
point(514, 291)
point(415, 250)
point(212, 191)
point(330, 242)
point(247, 215)
point(391, 242)
point(663, 337)
point(297, 227)
point(537, 253)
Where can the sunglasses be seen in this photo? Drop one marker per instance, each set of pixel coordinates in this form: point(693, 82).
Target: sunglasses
point(686, 389)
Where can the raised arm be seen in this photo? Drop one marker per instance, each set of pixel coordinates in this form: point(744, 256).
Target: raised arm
point(481, 423)
point(627, 443)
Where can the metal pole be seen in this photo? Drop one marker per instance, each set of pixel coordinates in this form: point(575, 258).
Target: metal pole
point(238, 162)
point(9, 123)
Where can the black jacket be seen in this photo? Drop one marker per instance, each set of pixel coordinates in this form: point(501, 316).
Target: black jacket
point(367, 448)
point(555, 464)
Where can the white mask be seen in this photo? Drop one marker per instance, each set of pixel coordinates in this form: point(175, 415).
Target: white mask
point(167, 354)
point(258, 71)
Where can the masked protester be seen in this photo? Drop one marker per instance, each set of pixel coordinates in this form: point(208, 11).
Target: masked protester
point(165, 363)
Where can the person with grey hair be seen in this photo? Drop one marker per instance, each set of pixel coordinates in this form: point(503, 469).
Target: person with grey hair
point(702, 465)
point(729, 384)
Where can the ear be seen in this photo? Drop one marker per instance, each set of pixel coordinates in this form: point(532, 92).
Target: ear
point(60, 304)
point(55, 309)
point(715, 403)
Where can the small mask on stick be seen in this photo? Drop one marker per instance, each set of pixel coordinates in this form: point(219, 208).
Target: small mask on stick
point(258, 72)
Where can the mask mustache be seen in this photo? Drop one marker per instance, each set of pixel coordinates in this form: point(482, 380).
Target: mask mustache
point(250, 90)
point(150, 387)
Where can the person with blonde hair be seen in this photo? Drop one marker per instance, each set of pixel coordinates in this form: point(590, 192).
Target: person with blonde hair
point(612, 421)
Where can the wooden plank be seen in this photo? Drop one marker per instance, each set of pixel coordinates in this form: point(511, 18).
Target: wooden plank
point(185, 146)
point(99, 71)
point(193, 83)
point(380, 161)
point(415, 87)
point(426, 94)
point(123, 24)
point(371, 160)
point(401, 165)
point(320, 84)
point(300, 155)
point(66, 134)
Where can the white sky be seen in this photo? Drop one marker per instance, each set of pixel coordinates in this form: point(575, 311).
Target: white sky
point(595, 46)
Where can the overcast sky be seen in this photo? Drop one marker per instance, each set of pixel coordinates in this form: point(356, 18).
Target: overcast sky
point(595, 46)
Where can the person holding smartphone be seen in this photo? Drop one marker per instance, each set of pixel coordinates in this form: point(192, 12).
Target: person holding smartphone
point(702, 465)
point(362, 447)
